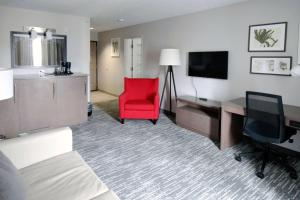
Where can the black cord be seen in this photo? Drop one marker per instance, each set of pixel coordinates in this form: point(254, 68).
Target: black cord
point(194, 87)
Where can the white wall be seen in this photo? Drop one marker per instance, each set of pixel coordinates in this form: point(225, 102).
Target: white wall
point(76, 28)
point(218, 29)
point(94, 36)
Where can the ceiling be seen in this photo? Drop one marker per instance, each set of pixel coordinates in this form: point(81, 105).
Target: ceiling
point(105, 14)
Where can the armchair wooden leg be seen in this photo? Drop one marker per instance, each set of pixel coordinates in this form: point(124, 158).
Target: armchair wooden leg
point(154, 121)
point(122, 121)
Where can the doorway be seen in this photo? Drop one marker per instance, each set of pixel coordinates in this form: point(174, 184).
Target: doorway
point(133, 57)
point(93, 66)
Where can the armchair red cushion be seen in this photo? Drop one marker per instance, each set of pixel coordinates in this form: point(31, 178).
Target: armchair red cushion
point(140, 99)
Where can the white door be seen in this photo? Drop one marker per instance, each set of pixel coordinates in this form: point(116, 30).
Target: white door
point(137, 58)
point(128, 58)
point(133, 58)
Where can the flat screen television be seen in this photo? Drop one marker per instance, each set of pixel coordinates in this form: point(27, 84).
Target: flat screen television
point(213, 64)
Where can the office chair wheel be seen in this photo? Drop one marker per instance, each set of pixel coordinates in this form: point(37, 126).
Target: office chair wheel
point(293, 175)
point(238, 158)
point(260, 175)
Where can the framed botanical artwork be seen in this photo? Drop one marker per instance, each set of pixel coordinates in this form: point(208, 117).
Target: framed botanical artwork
point(280, 65)
point(115, 47)
point(267, 37)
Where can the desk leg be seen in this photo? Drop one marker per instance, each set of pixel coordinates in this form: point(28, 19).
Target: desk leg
point(231, 129)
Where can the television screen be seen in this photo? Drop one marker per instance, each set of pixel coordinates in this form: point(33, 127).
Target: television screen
point(208, 64)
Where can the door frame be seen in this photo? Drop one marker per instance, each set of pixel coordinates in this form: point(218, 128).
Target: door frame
point(94, 41)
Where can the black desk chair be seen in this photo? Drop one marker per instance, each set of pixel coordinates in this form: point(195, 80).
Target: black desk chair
point(265, 124)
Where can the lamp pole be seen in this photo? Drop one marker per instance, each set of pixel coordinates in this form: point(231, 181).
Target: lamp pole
point(170, 72)
point(170, 58)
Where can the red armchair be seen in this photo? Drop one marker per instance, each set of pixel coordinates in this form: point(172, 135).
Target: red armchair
point(140, 99)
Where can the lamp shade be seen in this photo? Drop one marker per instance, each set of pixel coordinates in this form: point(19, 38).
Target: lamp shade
point(6, 84)
point(296, 71)
point(169, 57)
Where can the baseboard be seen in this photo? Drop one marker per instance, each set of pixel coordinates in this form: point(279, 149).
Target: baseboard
point(108, 93)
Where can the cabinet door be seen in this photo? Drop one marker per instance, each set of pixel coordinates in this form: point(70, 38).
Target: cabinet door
point(36, 103)
point(71, 100)
point(8, 118)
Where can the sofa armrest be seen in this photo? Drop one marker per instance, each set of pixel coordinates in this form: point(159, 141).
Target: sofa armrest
point(122, 100)
point(156, 99)
point(156, 102)
point(27, 150)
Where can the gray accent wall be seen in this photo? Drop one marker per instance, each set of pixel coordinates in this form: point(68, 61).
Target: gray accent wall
point(218, 29)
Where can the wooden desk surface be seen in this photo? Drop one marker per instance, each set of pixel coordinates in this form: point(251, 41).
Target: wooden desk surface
point(291, 113)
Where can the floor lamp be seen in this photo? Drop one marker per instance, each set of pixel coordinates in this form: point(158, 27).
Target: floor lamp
point(170, 58)
point(6, 86)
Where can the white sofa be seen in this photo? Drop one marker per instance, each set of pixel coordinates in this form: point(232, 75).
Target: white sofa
point(50, 169)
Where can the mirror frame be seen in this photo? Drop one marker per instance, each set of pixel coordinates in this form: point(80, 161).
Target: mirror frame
point(29, 66)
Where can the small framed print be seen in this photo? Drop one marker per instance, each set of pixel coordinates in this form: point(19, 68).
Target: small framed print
point(267, 37)
point(271, 65)
point(115, 47)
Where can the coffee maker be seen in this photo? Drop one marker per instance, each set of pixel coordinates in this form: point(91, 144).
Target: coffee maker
point(63, 69)
point(68, 68)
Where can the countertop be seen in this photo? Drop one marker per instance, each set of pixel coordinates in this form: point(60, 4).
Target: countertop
point(37, 76)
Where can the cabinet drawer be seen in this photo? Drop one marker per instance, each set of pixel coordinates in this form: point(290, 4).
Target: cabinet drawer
point(71, 101)
point(35, 102)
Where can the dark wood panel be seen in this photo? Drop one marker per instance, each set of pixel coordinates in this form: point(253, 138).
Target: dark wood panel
point(198, 120)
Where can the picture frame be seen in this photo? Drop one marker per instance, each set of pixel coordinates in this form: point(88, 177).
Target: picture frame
point(271, 65)
point(115, 47)
point(267, 37)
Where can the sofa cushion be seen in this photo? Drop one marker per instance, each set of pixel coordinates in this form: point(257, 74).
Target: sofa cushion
point(139, 105)
point(65, 177)
point(11, 184)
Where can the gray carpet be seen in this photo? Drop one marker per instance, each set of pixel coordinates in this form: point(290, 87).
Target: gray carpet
point(140, 161)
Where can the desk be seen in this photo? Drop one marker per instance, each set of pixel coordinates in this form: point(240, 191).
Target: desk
point(233, 113)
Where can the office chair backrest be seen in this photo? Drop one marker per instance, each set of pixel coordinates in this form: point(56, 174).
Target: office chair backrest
point(264, 117)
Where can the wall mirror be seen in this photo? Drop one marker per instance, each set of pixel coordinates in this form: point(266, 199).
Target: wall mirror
point(29, 52)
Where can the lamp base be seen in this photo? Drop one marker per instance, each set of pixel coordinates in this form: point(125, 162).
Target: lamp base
point(172, 79)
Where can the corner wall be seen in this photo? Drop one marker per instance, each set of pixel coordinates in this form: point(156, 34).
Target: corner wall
point(218, 29)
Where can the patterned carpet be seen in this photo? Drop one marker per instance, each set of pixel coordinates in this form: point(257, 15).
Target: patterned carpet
point(140, 161)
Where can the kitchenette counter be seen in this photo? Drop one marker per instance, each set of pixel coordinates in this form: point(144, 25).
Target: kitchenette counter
point(42, 102)
point(46, 76)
